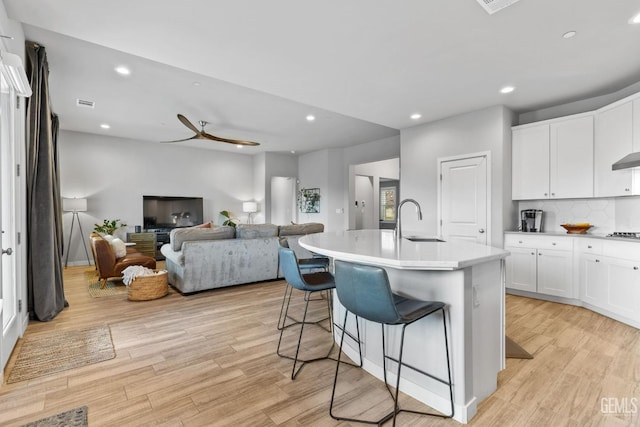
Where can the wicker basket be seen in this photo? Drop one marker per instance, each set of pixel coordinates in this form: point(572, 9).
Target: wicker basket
point(146, 288)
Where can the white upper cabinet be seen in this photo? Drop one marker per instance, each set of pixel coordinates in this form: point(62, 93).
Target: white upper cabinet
point(530, 162)
point(614, 140)
point(553, 159)
point(571, 158)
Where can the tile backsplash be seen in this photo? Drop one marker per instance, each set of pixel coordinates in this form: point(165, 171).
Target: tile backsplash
point(605, 214)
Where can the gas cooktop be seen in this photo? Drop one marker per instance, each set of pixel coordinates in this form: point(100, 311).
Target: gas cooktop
point(625, 234)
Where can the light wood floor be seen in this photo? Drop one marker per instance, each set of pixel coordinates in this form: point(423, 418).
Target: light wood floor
point(209, 359)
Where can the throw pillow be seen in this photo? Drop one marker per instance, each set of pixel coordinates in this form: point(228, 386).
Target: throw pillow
point(118, 246)
point(297, 229)
point(254, 231)
point(180, 235)
point(205, 225)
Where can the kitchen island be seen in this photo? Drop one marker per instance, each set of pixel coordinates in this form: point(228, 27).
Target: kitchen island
point(467, 277)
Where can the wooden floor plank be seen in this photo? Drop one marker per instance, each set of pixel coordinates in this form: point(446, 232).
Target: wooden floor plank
point(209, 359)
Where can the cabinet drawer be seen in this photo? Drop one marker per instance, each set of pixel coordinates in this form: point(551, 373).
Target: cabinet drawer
point(622, 250)
point(589, 246)
point(537, 241)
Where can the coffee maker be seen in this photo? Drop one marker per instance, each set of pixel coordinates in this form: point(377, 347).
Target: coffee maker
point(531, 220)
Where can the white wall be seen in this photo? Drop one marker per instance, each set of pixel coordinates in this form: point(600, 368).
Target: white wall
point(314, 173)
point(389, 168)
point(114, 174)
point(581, 106)
point(329, 171)
point(484, 130)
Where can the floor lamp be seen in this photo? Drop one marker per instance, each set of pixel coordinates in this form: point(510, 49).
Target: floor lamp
point(250, 208)
point(75, 206)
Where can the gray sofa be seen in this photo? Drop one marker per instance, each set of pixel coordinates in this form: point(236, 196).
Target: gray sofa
point(202, 258)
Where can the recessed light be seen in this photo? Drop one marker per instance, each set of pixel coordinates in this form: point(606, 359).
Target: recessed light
point(196, 83)
point(105, 126)
point(569, 34)
point(293, 151)
point(507, 89)
point(239, 147)
point(311, 118)
point(635, 19)
point(415, 116)
point(123, 70)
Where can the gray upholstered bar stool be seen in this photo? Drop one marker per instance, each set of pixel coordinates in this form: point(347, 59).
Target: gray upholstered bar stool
point(308, 265)
point(364, 290)
point(309, 283)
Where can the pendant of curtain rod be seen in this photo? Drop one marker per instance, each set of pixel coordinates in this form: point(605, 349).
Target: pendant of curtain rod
point(6, 37)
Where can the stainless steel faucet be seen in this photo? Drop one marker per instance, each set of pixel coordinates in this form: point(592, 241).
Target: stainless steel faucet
point(397, 232)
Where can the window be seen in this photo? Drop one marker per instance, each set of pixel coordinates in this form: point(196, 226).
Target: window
point(388, 203)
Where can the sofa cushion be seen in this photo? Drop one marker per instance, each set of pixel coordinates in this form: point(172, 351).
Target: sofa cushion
point(181, 235)
point(297, 229)
point(254, 231)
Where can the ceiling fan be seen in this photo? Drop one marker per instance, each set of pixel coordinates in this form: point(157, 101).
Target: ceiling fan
point(201, 134)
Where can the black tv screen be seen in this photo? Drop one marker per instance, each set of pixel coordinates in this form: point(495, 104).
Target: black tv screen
point(161, 212)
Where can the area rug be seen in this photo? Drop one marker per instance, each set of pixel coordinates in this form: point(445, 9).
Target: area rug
point(514, 351)
point(76, 417)
point(113, 287)
point(58, 351)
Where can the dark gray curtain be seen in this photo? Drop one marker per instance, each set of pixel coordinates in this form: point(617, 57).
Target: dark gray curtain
point(44, 216)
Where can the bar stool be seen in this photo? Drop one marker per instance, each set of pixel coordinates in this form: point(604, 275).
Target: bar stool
point(317, 262)
point(365, 291)
point(309, 283)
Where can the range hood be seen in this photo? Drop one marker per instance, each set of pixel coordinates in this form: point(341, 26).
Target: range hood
point(629, 161)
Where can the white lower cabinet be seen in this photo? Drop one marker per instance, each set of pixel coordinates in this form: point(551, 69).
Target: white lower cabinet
point(611, 284)
point(601, 274)
point(540, 264)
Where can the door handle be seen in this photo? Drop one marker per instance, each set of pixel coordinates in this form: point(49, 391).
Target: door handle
point(481, 231)
point(7, 251)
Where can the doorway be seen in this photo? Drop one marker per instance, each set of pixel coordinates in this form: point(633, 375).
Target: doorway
point(464, 198)
point(364, 204)
point(10, 197)
point(283, 200)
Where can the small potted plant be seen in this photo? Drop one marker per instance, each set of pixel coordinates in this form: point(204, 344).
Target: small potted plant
point(229, 220)
point(108, 227)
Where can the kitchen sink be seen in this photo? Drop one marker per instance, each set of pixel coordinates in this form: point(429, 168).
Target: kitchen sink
point(424, 239)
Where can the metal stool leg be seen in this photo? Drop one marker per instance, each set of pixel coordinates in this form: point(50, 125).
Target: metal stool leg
point(303, 322)
point(335, 378)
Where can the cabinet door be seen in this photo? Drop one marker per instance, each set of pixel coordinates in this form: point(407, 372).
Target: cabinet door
point(555, 273)
point(624, 288)
point(613, 141)
point(594, 278)
point(521, 269)
point(571, 158)
point(530, 163)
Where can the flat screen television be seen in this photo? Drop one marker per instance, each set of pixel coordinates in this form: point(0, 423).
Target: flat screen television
point(166, 212)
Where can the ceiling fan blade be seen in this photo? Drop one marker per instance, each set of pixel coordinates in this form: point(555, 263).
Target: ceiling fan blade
point(187, 123)
point(229, 141)
point(182, 140)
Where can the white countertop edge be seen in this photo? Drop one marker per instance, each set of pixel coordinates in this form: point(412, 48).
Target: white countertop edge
point(581, 236)
point(407, 264)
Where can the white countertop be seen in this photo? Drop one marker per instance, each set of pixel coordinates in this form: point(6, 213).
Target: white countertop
point(379, 247)
point(585, 235)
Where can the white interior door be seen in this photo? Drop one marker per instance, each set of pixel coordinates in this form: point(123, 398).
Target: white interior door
point(464, 199)
point(9, 196)
point(283, 200)
point(364, 204)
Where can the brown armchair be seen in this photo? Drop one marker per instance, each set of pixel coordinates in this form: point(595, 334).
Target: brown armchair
point(108, 265)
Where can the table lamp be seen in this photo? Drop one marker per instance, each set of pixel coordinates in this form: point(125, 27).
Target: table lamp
point(250, 208)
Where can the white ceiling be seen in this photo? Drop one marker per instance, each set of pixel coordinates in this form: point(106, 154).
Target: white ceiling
point(360, 66)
